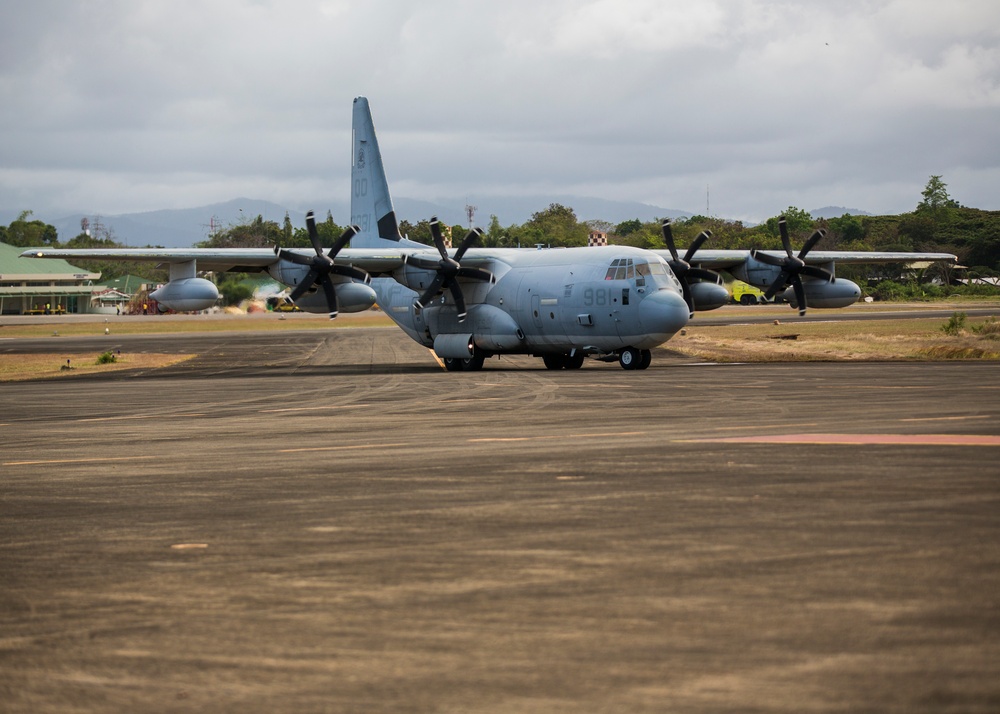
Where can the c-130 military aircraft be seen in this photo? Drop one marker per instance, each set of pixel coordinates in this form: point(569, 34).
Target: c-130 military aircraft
point(468, 304)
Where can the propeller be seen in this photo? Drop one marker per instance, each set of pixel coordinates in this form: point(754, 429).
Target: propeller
point(793, 266)
point(682, 267)
point(321, 265)
point(449, 270)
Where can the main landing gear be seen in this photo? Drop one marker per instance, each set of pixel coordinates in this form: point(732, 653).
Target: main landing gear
point(563, 361)
point(632, 358)
point(469, 364)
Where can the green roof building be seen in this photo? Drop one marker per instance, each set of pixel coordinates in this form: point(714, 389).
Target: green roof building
point(35, 286)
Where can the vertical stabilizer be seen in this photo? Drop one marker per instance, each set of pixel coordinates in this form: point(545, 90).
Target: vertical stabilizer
point(371, 205)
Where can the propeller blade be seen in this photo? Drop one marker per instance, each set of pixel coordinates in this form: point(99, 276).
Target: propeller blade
point(693, 248)
point(480, 274)
point(800, 294)
point(793, 267)
point(706, 275)
point(448, 270)
point(344, 239)
point(313, 234)
point(296, 258)
point(814, 271)
point(431, 292)
point(306, 283)
point(785, 242)
point(767, 258)
point(467, 243)
point(331, 295)
point(349, 271)
point(777, 285)
point(688, 298)
point(459, 298)
point(668, 237)
point(815, 238)
point(438, 238)
point(422, 263)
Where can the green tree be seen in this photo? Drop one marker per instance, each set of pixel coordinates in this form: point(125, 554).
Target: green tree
point(419, 232)
point(644, 235)
point(848, 228)
point(798, 221)
point(233, 289)
point(24, 233)
point(327, 231)
point(556, 226)
point(258, 233)
point(496, 235)
point(936, 198)
point(626, 227)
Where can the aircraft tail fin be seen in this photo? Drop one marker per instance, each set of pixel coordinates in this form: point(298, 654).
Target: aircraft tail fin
point(371, 204)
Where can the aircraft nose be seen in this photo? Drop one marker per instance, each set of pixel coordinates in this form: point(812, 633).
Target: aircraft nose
point(663, 313)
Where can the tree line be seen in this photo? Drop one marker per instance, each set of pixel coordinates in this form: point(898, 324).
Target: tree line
point(937, 224)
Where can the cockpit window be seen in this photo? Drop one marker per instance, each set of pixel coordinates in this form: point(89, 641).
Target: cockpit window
point(621, 269)
point(639, 270)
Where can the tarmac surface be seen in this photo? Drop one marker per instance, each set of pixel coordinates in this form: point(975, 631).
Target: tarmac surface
point(327, 521)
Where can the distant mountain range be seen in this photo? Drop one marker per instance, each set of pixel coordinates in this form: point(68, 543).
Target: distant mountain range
point(836, 212)
point(182, 228)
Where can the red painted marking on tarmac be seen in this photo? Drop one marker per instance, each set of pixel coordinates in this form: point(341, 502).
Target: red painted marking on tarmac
point(860, 439)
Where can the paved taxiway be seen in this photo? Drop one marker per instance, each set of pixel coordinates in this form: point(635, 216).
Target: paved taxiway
point(327, 521)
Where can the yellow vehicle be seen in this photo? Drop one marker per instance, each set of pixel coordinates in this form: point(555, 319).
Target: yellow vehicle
point(278, 304)
point(746, 294)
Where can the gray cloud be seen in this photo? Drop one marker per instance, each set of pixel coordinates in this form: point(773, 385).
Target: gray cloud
point(119, 106)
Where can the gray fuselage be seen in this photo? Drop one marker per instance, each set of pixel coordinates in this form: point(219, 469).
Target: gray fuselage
point(592, 300)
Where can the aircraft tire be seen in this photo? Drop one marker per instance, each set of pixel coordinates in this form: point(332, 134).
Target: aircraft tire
point(453, 364)
point(474, 363)
point(629, 358)
point(645, 358)
point(554, 361)
point(574, 361)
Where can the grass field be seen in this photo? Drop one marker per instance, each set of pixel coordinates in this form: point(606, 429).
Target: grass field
point(881, 340)
point(42, 366)
point(777, 341)
point(167, 324)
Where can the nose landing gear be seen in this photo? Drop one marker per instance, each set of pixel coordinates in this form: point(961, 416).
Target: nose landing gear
point(632, 358)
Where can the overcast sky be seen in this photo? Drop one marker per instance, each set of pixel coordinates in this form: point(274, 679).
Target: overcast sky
point(117, 106)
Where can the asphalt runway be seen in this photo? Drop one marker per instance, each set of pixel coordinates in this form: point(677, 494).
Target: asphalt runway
point(327, 521)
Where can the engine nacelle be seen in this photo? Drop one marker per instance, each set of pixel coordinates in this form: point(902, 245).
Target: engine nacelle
point(708, 296)
point(454, 346)
point(414, 278)
point(839, 293)
point(757, 273)
point(187, 294)
point(351, 297)
point(288, 273)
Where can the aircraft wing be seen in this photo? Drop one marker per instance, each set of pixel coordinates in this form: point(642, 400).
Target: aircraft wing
point(240, 260)
point(725, 259)
point(221, 259)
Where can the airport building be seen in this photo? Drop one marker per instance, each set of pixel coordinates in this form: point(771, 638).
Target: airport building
point(30, 287)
